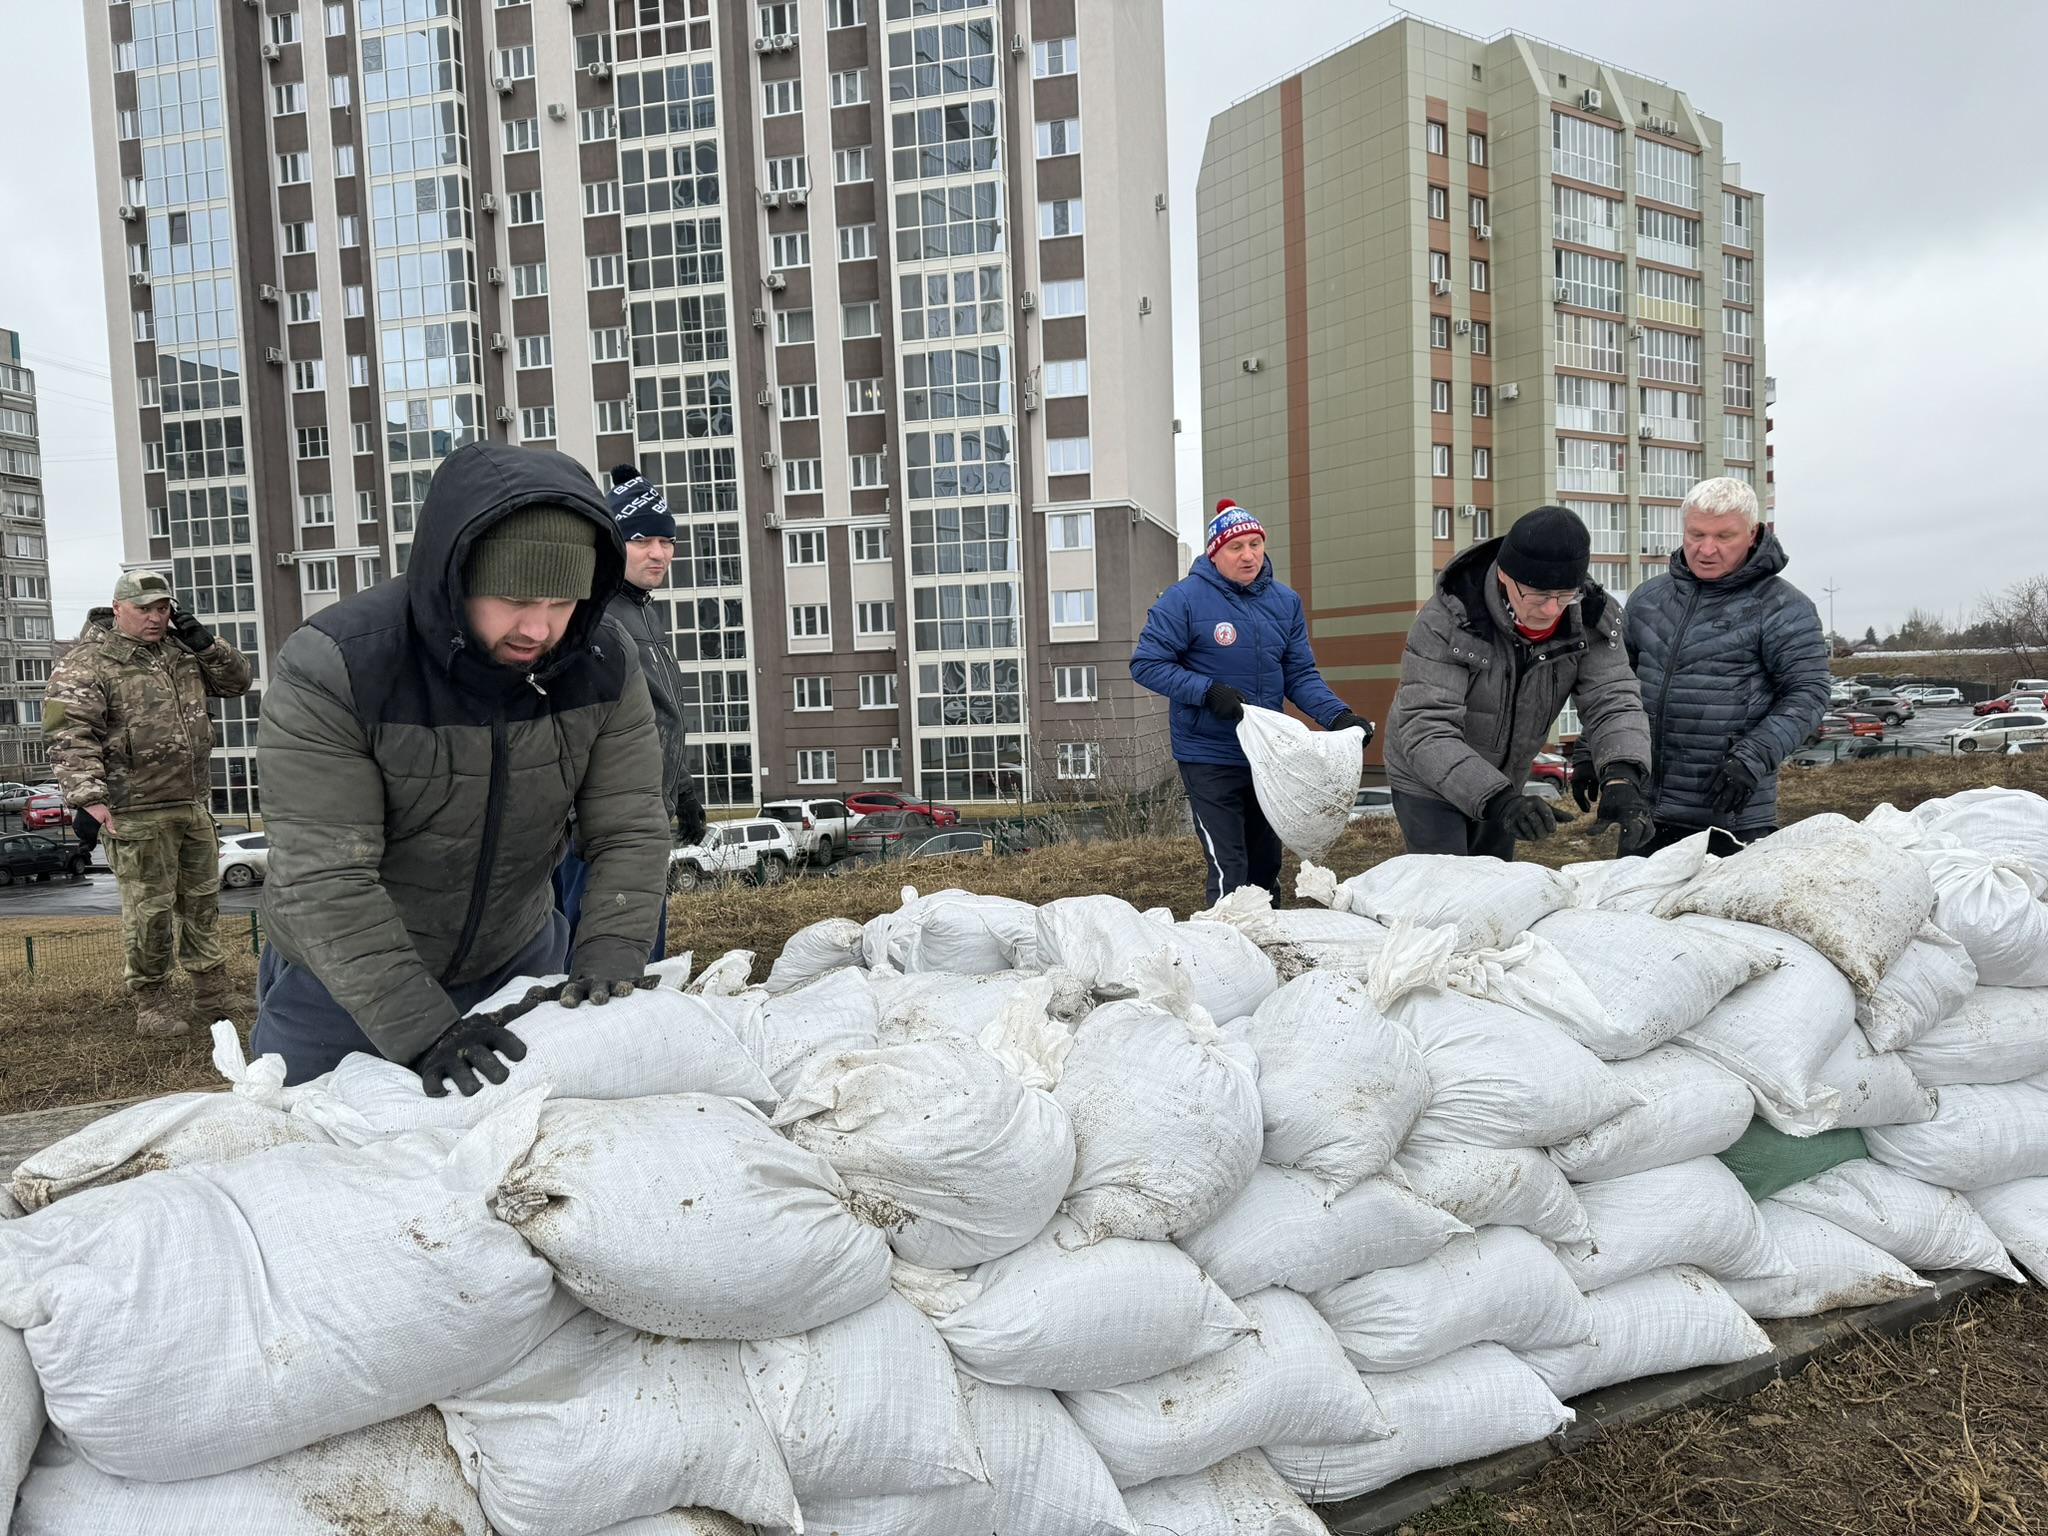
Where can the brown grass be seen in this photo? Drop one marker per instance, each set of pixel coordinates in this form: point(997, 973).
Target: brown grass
point(66, 1032)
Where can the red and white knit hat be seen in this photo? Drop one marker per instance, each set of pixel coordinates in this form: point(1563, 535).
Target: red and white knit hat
point(1231, 522)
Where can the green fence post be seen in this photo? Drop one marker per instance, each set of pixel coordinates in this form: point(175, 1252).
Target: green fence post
point(255, 936)
point(28, 945)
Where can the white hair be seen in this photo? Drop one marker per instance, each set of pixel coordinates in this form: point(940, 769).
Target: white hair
point(1722, 496)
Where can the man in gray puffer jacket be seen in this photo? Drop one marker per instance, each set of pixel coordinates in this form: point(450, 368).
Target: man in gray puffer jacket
point(1734, 670)
point(422, 746)
point(1514, 630)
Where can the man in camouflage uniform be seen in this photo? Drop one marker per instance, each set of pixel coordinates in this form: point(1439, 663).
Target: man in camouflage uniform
point(129, 738)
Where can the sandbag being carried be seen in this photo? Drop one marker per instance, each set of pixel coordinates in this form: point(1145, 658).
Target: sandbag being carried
point(205, 1319)
point(653, 1209)
point(1489, 903)
point(2018, 1214)
point(1166, 1120)
point(1923, 1227)
point(1464, 1405)
point(1667, 1320)
point(393, 1477)
point(602, 1423)
point(1830, 1268)
point(1982, 1135)
point(815, 951)
point(1340, 1084)
point(1653, 979)
point(1288, 1383)
point(1492, 1186)
point(1694, 1213)
point(1690, 1108)
point(1995, 1035)
point(1285, 1230)
point(1239, 1496)
point(1306, 781)
point(1924, 986)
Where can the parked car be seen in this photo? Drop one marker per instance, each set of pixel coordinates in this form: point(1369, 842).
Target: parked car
point(14, 796)
point(883, 831)
point(1996, 732)
point(1846, 723)
point(954, 843)
point(1997, 706)
point(1372, 803)
point(244, 859)
point(1550, 765)
point(1891, 708)
point(758, 848)
point(26, 857)
point(1937, 698)
point(2029, 685)
point(869, 801)
point(820, 827)
point(45, 810)
point(2030, 701)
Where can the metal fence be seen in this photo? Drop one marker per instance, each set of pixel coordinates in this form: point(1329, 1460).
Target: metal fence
point(98, 952)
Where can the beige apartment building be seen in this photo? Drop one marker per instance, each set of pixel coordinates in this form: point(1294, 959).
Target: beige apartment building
point(1446, 280)
point(27, 630)
point(876, 290)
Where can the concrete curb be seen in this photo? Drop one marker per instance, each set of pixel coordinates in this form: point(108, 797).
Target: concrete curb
point(1629, 1403)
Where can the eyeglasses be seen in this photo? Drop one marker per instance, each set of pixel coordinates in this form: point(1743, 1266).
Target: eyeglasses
point(1537, 599)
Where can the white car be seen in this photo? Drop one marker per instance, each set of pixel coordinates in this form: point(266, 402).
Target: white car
point(1372, 803)
point(244, 859)
point(759, 849)
point(1934, 698)
point(1995, 732)
point(819, 827)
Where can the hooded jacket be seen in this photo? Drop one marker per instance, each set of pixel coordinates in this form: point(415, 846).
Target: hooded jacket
point(632, 610)
point(1207, 629)
point(1477, 701)
point(1730, 668)
point(416, 791)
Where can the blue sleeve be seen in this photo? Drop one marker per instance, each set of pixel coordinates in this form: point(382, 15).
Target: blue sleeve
point(1301, 681)
point(1157, 663)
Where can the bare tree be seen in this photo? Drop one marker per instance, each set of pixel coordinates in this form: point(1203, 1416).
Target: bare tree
point(2016, 621)
point(1121, 781)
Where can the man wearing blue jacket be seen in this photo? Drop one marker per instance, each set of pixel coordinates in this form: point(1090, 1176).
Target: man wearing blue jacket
point(1224, 636)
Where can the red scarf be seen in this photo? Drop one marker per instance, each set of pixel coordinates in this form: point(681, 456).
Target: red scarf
point(1533, 635)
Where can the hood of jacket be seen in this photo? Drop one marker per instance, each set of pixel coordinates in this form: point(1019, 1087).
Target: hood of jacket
point(1463, 584)
point(1206, 570)
point(476, 487)
point(1767, 558)
point(99, 622)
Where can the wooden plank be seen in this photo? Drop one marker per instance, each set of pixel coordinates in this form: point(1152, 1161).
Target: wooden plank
point(23, 1134)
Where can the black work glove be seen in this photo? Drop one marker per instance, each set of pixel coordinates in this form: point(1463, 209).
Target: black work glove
point(469, 1046)
point(87, 826)
point(1526, 818)
point(1731, 788)
point(190, 633)
point(1625, 800)
point(691, 823)
point(1224, 702)
point(599, 990)
point(1348, 719)
point(1585, 784)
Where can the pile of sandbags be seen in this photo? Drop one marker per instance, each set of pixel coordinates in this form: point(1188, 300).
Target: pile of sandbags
point(1073, 1220)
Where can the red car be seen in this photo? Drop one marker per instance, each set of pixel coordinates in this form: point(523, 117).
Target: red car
point(1993, 706)
point(869, 802)
point(45, 811)
point(1847, 723)
point(1549, 765)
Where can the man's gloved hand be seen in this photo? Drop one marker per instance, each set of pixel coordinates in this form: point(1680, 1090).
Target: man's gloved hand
point(691, 823)
point(1625, 800)
point(1224, 702)
point(1585, 784)
point(1526, 818)
point(1348, 719)
point(598, 990)
point(190, 633)
point(1731, 788)
point(469, 1046)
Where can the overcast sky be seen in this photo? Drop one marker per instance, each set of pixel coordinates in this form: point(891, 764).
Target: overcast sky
point(1899, 147)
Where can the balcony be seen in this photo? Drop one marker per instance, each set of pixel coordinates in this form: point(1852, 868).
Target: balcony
point(1673, 429)
point(1587, 418)
point(1579, 477)
point(1670, 487)
point(1668, 312)
point(1670, 252)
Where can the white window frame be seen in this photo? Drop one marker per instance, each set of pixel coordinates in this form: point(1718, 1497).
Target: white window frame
point(1439, 397)
point(853, 165)
point(1065, 378)
point(869, 544)
point(803, 547)
point(1079, 761)
point(309, 375)
point(1079, 600)
point(874, 618)
point(519, 134)
point(537, 424)
point(787, 252)
point(1069, 456)
point(850, 88)
point(878, 690)
point(790, 322)
point(782, 98)
point(514, 63)
point(1058, 211)
point(527, 207)
point(875, 763)
point(1057, 136)
point(817, 765)
point(319, 578)
point(811, 695)
point(537, 351)
point(1482, 463)
point(1440, 461)
point(799, 402)
point(1064, 298)
point(866, 397)
point(316, 509)
point(868, 471)
point(810, 621)
point(856, 242)
point(1066, 531)
point(803, 477)
point(1076, 684)
point(857, 322)
point(1055, 56)
point(608, 270)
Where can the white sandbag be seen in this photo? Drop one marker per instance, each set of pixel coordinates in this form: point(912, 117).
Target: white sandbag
point(1499, 1078)
point(1488, 902)
point(727, 976)
point(1828, 882)
point(869, 1404)
point(1923, 1227)
point(1300, 939)
point(393, 1477)
point(1341, 1085)
point(1695, 1213)
point(1306, 781)
point(1924, 986)
point(650, 1209)
point(1492, 1186)
point(1067, 1314)
point(1777, 1033)
point(948, 1153)
point(1531, 977)
point(1995, 1035)
point(1981, 1135)
point(1239, 1496)
point(1501, 1285)
point(177, 1130)
point(21, 1413)
point(840, 1011)
point(1166, 1120)
point(1639, 884)
point(955, 931)
point(1691, 1108)
point(1284, 1229)
point(1830, 1268)
point(1992, 906)
point(680, 1522)
point(928, 1002)
point(1043, 1476)
point(9, 1206)
point(1667, 1320)
point(2018, 1214)
point(816, 950)
point(1995, 821)
point(1228, 974)
point(204, 1319)
point(1288, 1383)
point(1465, 1405)
point(1654, 979)
point(1873, 1088)
point(652, 1042)
point(1111, 947)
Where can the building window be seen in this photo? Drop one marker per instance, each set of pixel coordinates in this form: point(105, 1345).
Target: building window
point(1440, 460)
point(302, 305)
point(1606, 523)
point(1059, 136)
point(309, 374)
point(1591, 405)
point(789, 251)
point(781, 98)
point(779, 19)
point(360, 433)
point(1439, 330)
point(857, 321)
point(608, 271)
point(881, 765)
point(600, 197)
point(530, 280)
point(804, 547)
point(594, 125)
point(537, 351)
point(1482, 400)
point(608, 344)
point(1440, 523)
point(1482, 463)
point(1070, 530)
point(1673, 414)
point(1066, 378)
point(1668, 357)
point(870, 545)
point(352, 301)
point(614, 415)
point(1439, 203)
point(852, 165)
point(1477, 209)
point(1736, 337)
point(344, 159)
point(515, 63)
point(340, 92)
point(337, 21)
point(1482, 523)
point(799, 402)
point(1439, 140)
point(1439, 395)
point(520, 133)
point(1738, 278)
point(1738, 437)
point(803, 476)
point(1077, 759)
point(1475, 148)
point(351, 231)
point(1667, 173)
point(1585, 218)
point(1669, 472)
point(1073, 607)
point(1590, 282)
point(299, 239)
point(316, 511)
point(369, 571)
point(317, 577)
point(817, 765)
point(366, 506)
point(1074, 685)
point(1069, 456)
point(874, 618)
point(1667, 297)
point(285, 100)
point(794, 327)
point(1055, 56)
point(1439, 267)
point(1585, 151)
point(1737, 220)
point(1061, 216)
point(857, 242)
point(524, 207)
point(810, 621)
point(813, 694)
point(1584, 341)
point(1667, 237)
point(878, 690)
point(1738, 385)
point(845, 13)
point(536, 423)
point(1480, 277)
point(850, 88)
point(1064, 299)
point(789, 173)
point(868, 471)
point(864, 397)
point(312, 442)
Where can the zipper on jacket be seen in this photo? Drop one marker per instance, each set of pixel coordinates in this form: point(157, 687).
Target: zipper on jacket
point(486, 855)
point(1664, 693)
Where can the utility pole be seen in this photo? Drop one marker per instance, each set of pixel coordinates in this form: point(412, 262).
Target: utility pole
point(1831, 589)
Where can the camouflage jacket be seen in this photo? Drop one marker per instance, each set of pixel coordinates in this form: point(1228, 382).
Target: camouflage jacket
point(126, 723)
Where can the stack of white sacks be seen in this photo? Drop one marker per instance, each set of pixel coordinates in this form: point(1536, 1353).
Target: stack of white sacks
point(1071, 1220)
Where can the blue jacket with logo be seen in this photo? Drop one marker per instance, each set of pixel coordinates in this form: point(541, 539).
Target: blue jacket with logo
point(1207, 629)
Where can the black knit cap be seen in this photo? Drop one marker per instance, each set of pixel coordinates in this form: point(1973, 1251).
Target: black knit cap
point(1546, 550)
point(640, 510)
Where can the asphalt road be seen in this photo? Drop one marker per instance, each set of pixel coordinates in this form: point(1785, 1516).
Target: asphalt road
point(95, 895)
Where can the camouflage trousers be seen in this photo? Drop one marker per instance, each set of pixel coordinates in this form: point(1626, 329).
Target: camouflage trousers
point(167, 864)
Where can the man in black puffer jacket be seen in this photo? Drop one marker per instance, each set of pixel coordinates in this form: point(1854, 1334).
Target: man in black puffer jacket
point(1734, 669)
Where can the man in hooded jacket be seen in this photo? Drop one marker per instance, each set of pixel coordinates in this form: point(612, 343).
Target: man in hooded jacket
point(423, 744)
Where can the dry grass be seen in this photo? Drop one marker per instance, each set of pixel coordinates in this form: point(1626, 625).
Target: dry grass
point(66, 1035)
point(1938, 1433)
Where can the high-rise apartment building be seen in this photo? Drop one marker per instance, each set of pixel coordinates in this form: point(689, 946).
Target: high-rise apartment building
point(876, 290)
point(1445, 280)
point(27, 630)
